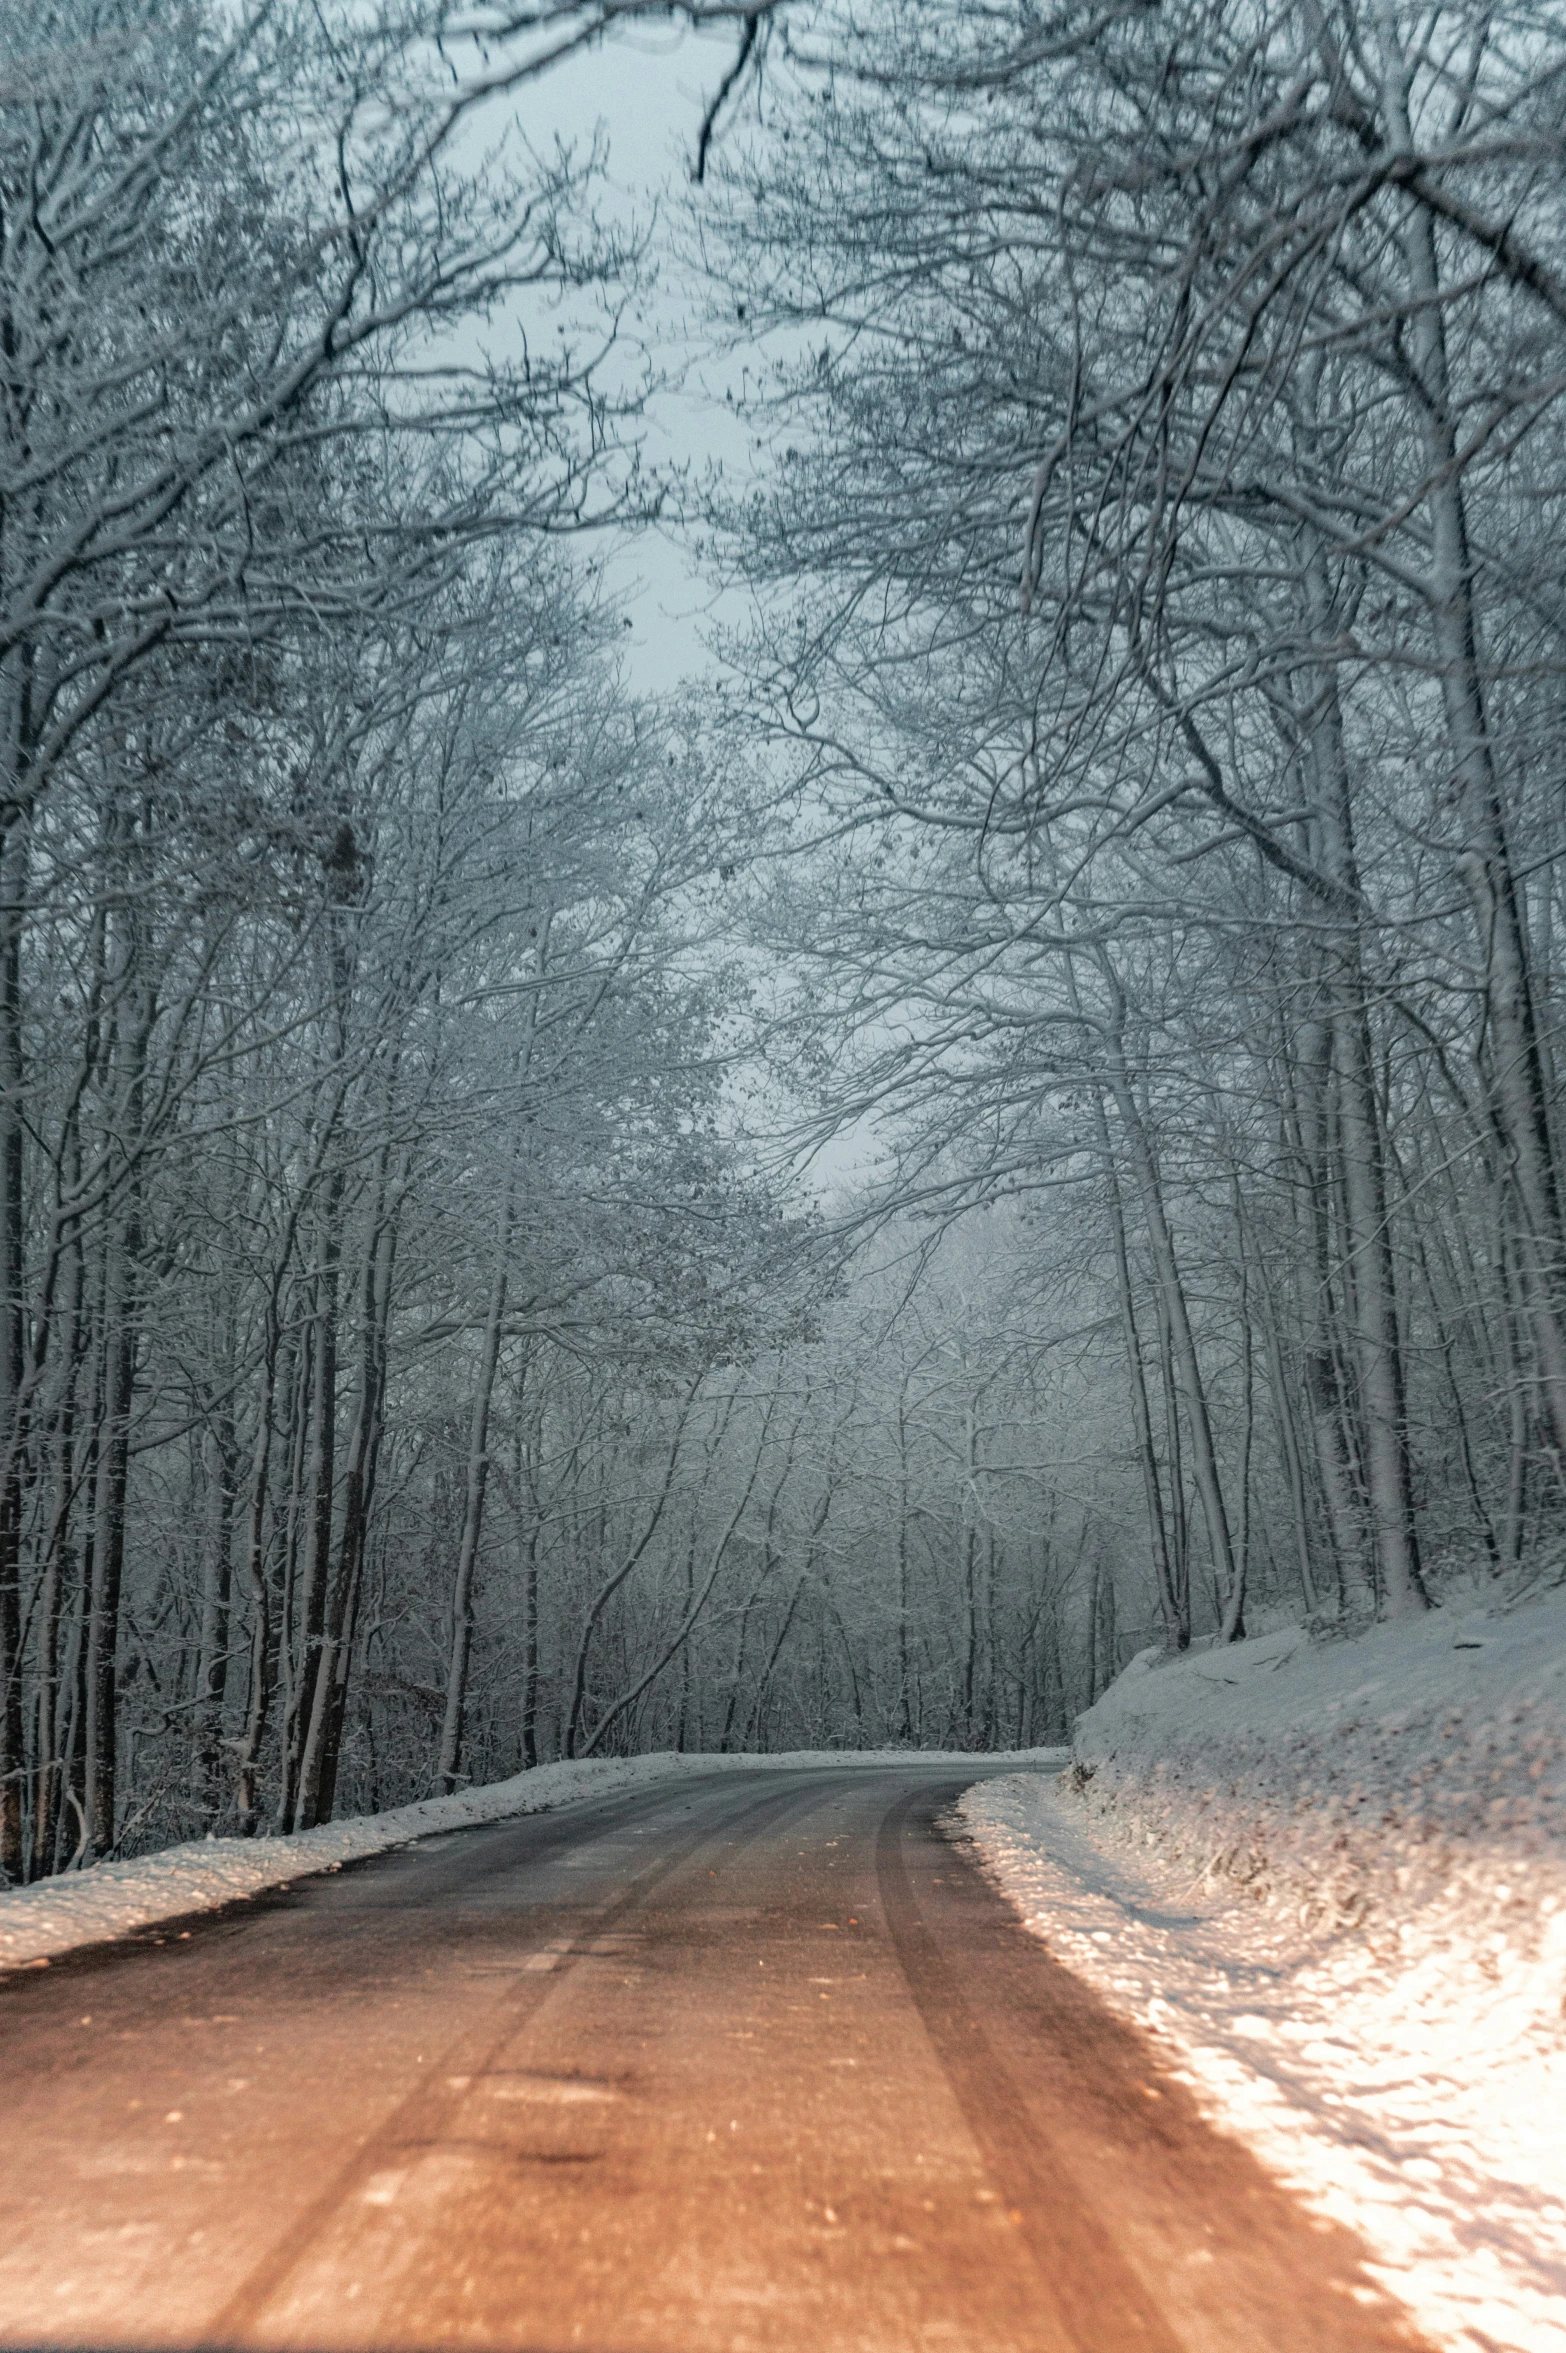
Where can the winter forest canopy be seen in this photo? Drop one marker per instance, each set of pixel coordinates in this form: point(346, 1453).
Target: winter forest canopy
point(1124, 802)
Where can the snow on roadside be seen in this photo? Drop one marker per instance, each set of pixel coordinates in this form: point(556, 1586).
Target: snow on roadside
point(115, 1899)
point(1330, 1877)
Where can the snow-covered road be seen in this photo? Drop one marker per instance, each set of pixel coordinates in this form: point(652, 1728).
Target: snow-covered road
point(744, 2060)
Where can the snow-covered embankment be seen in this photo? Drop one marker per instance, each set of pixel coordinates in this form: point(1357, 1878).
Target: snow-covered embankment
point(1331, 1878)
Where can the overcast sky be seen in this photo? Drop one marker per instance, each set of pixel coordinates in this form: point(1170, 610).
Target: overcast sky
point(648, 90)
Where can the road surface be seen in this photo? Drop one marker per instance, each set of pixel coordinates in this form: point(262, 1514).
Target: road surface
point(751, 2062)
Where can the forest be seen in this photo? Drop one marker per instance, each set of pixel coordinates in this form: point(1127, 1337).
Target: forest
point(1015, 1118)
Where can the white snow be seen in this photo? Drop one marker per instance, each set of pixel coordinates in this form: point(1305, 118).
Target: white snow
point(1330, 1877)
point(115, 1899)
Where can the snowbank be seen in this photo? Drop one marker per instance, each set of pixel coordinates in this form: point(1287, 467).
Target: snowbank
point(1331, 1878)
point(114, 1899)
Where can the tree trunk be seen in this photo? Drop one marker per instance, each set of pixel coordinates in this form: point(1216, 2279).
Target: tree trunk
point(13, 1331)
point(1187, 1368)
point(108, 1554)
point(904, 1698)
point(1513, 1058)
point(1370, 1273)
point(258, 1694)
point(317, 1500)
point(475, 1487)
point(1174, 1598)
point(50, 1714)
point(329, 1700)
point(1324, 1401)
point(216, 1595)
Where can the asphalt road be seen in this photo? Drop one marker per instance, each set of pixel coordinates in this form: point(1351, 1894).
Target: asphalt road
point(758, 2061)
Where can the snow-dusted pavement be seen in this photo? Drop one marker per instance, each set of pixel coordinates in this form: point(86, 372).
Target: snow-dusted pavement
point(115, 1899)
point(743, 2060)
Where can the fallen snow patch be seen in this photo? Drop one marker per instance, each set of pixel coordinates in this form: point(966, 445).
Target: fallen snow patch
point(115, 1899)
point(1331, 1879)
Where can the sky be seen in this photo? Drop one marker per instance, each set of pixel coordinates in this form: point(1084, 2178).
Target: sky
point(647, 90)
